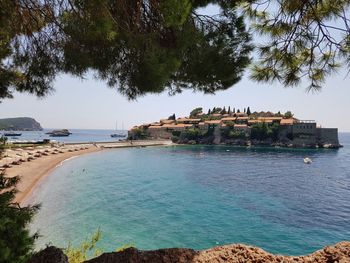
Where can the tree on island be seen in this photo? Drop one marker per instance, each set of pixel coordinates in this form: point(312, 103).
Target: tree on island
point(248, 111)
point(216, 110)
point(278, 114)
point(223, 111)
point(209, 112)
point(172, 117)
point(141, 47)
point(196, 111)
point(262, 131)
point(229, 110)
point(288, 115)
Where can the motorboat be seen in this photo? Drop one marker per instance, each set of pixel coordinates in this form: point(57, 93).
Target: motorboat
point(12, 134)
point(117, 135)
point(307, 160)
point(59, 133)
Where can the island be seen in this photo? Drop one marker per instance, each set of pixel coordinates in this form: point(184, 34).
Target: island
point(233, 127)
point(20, 124)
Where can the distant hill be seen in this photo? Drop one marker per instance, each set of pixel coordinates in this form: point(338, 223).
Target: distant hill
point(20, 124)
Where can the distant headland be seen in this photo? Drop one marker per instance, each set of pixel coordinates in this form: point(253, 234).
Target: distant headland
point(20, 124)
point(243, 128)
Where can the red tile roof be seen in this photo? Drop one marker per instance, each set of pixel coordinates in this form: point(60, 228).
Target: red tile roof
point(287, 121)
point(229, 119)
point(213, 122)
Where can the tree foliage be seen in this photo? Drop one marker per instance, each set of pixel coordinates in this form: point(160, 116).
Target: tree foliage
point(86, 249)
point(191, 134)
point(172, 117)
point(16, 243)
point(288, 115)
point(248, 111)
point(304, 39)
point(137, 47)
point(261, 131)
point(195, 111)
point(141, 47)
point(3, 140)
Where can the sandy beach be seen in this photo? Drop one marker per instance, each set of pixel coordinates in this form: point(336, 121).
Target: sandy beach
point(33, 171)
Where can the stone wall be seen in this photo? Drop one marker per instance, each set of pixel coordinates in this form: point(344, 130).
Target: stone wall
point(304, 128)
point(327, 136)
point(159, 133)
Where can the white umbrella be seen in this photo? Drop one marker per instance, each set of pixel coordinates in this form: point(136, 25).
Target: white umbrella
point(7, 159)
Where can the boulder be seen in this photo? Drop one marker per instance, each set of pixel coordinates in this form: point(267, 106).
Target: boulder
point(49, 255)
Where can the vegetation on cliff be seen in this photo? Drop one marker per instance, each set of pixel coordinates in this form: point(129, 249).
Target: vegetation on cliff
point(20, 124)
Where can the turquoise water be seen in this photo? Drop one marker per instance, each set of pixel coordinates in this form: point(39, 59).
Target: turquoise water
point(196, 196)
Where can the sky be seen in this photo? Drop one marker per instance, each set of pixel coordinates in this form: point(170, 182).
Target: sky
point(90, 104)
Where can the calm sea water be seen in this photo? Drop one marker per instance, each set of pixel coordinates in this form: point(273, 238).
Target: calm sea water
point(196, 196)
point(78, 135)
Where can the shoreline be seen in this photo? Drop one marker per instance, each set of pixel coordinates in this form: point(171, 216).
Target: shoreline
point(33, 172)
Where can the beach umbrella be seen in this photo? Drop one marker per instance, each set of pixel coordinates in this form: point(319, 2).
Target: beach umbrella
point(8, 152)
point(2, 162)
point(8, 159)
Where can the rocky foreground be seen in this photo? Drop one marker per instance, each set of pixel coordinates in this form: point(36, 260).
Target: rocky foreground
point(236, 253)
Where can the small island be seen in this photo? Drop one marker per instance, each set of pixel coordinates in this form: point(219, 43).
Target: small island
point(233, 127)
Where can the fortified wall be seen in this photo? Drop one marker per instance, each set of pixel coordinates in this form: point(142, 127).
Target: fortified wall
point(327, 135)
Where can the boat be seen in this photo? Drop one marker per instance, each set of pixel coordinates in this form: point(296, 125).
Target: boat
point(117, 134)
point(59, 133)
point(12, 134)
point(307, 160)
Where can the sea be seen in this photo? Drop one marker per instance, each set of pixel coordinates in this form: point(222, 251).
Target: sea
point(77, 136)
point(198, 197)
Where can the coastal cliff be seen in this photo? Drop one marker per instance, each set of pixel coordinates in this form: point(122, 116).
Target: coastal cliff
point(235, 253)
point(20, 124)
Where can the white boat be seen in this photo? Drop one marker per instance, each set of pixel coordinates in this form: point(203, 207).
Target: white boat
point(307, 160)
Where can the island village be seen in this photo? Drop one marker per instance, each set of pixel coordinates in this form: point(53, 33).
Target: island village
point(233, 127)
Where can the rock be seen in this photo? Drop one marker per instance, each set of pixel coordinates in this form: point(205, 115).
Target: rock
point(235, 253)
point(49, 255)
point(133, 255)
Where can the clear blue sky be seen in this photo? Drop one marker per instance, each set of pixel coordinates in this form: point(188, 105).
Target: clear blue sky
point(90, 104)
